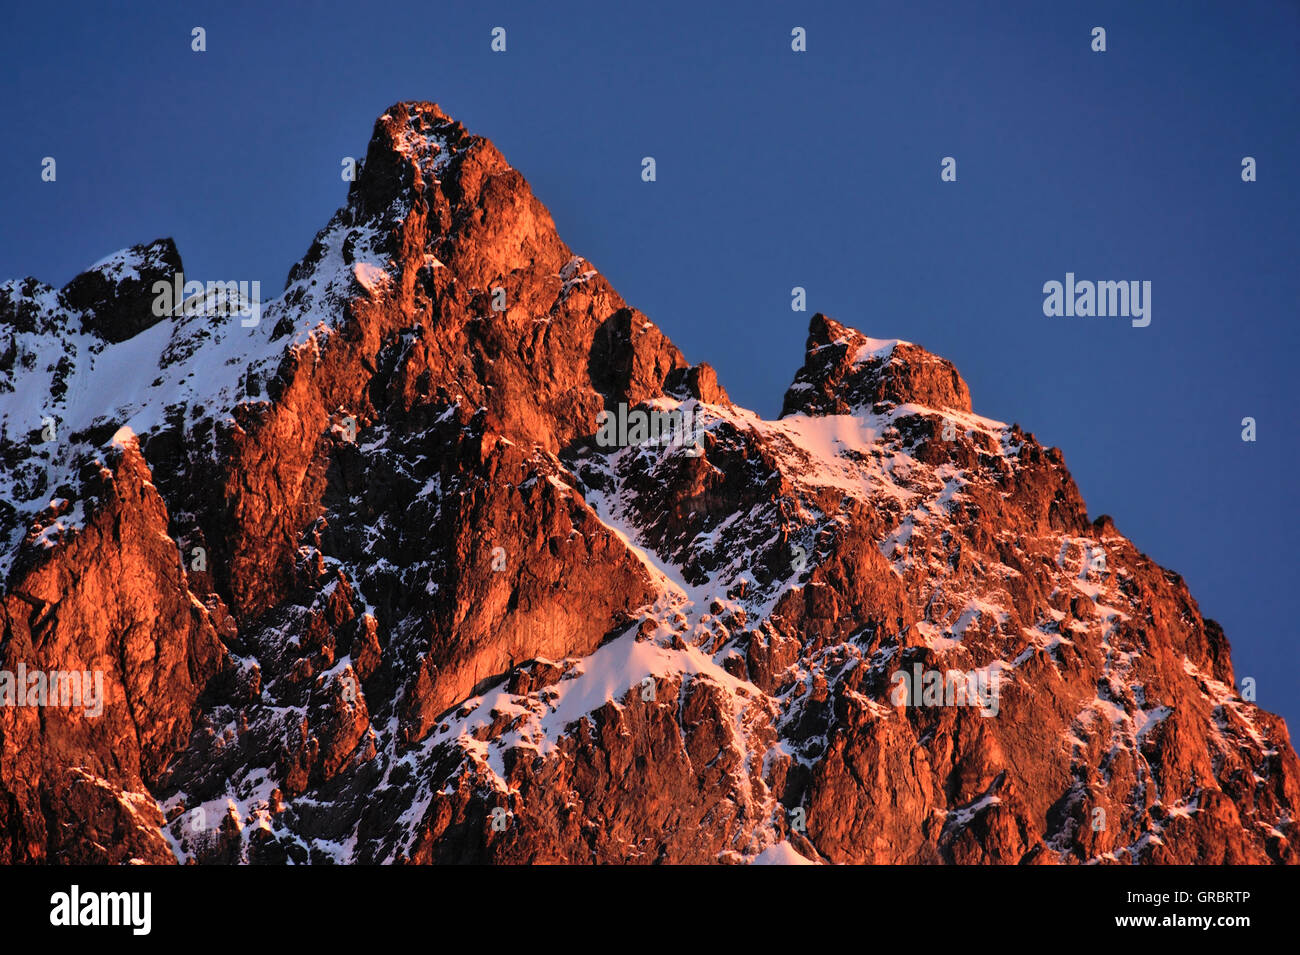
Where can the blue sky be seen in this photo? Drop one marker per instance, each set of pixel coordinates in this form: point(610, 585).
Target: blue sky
point(778, 169)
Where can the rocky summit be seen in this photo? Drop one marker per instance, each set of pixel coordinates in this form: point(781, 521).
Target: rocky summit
point(363, 586)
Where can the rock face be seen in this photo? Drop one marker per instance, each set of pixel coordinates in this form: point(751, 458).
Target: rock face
point(109, 598)
point(364, 586)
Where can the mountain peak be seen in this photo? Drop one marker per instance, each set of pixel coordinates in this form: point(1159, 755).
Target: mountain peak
point(363, 575)
point(115, 294)
point(844, 369)
point(412, 143)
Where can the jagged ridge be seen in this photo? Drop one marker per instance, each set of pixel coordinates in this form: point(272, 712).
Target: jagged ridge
point(428, 593)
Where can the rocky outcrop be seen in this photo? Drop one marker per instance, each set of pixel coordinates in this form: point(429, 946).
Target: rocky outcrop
point(104, 606)
point(844, 370)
